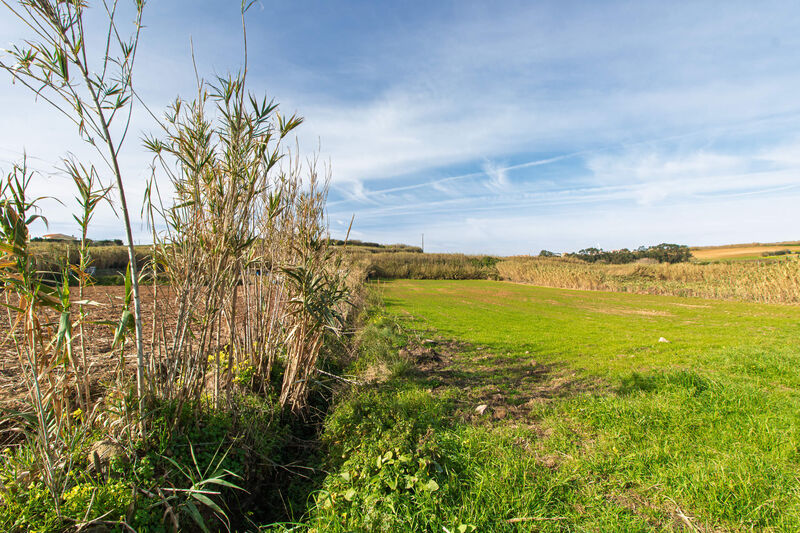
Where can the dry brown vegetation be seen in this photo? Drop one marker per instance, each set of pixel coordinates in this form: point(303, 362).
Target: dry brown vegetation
point(50, 255)
point(407, 265)
point(767, 281)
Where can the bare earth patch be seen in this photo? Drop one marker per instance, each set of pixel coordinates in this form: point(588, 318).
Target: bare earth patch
point(509, 386)
point(102, 360)
point(623, 311)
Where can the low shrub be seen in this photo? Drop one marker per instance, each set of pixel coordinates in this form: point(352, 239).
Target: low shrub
point(776, 253)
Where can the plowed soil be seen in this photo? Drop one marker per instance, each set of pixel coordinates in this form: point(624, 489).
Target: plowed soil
point(102, 360)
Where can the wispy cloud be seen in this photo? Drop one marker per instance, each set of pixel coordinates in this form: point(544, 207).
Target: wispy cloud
point(498, 177)
point(490, 126)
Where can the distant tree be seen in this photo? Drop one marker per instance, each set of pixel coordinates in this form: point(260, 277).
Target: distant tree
point(546, 253)
point(593, 255)
point(670, 253)
point(663, 253)
point(620, 257)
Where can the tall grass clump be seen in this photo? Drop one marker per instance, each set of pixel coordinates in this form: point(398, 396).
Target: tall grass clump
point(93, 92)
point(59, 439)
point(43, 366)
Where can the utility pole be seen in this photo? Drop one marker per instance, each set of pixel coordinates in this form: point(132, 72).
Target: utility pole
point(423, 243)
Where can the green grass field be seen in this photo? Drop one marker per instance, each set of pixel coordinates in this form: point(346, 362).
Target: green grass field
point(591, 423)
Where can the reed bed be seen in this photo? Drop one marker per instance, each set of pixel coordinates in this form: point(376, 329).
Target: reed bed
point(409, 265)
point(250, 292)
point(753, 281)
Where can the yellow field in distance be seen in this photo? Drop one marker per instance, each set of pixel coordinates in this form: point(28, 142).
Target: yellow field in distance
point(739, 251)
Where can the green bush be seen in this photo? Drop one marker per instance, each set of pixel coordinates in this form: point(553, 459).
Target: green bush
point(390, 462)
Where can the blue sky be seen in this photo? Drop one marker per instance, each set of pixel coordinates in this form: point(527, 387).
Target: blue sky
point(496, 127)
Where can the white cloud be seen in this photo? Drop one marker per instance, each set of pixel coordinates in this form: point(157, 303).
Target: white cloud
point(640, 92)
point(498, 176)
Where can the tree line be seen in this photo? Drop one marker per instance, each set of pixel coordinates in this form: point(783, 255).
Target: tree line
point(663, 253)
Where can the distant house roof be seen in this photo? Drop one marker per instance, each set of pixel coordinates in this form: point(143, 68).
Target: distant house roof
point(59, 237)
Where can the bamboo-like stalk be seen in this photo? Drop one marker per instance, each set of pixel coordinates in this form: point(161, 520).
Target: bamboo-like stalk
point(91, 103)
point(247, 219)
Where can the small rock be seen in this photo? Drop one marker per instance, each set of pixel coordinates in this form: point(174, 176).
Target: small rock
point(662, 339)
point(429, 342)
point(481, 408)
point(526, 351)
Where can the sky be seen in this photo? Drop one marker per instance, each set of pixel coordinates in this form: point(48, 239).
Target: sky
point(489, 127)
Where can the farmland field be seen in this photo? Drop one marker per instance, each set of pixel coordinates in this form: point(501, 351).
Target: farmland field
point(741, 251)
point(530, 408)
point(105, 362)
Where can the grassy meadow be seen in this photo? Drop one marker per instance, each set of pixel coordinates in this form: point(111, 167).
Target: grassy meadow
point(585, 421)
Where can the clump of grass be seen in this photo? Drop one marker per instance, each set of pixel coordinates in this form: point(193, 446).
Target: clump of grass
point(378, 342)
point(246, 254)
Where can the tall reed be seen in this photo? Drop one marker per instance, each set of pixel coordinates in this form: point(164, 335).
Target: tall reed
point(93, 92)
point(39, 323)
point(249, 267)
point(755, 281)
